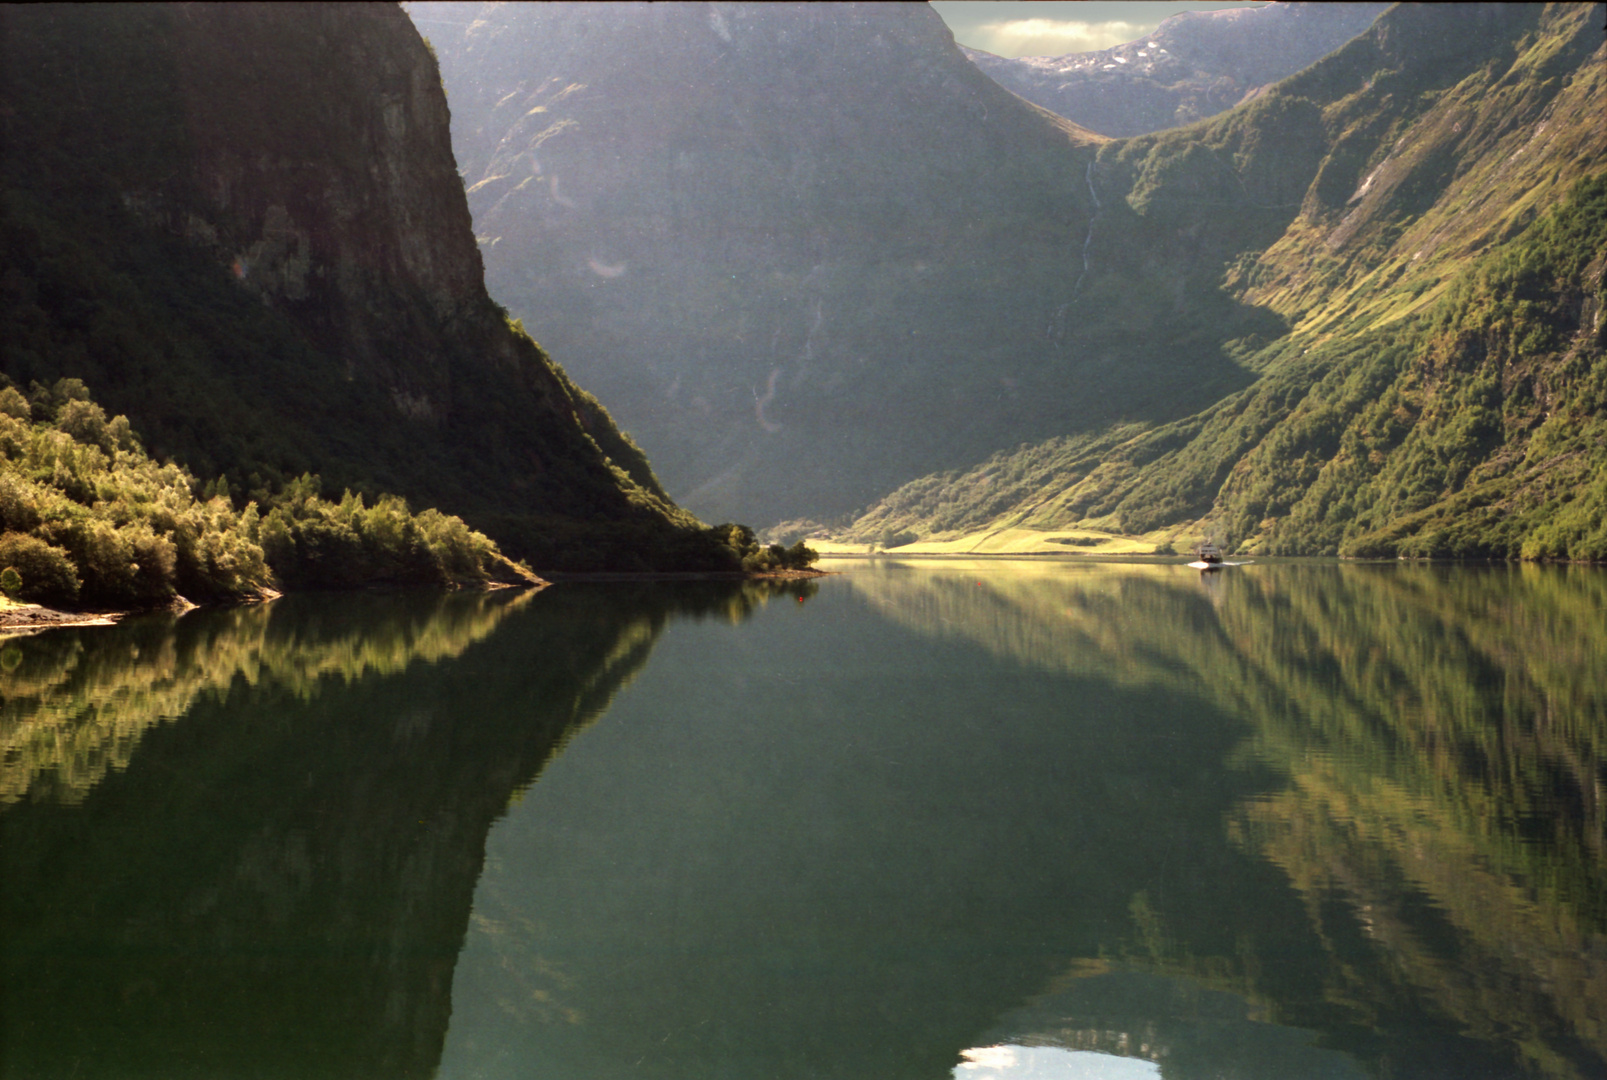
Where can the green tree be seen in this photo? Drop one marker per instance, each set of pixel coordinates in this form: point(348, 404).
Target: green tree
point(47, 573)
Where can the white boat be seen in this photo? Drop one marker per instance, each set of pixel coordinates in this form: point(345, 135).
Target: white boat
point(1207, 556)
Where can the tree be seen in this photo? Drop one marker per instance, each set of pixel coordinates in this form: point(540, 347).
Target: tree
point(46, 572)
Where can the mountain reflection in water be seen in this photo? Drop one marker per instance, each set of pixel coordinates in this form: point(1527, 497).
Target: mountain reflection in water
point(1440, 741)
point(1308, 821)
point(275, 881)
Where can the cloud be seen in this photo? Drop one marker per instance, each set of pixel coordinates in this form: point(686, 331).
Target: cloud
point(1054, 37)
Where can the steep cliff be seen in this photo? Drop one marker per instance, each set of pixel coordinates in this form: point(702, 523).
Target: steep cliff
point(1428, 224)
point(243, 227)
point(1195, 65)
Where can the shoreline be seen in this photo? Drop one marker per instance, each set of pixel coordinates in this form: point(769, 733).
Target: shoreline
point(25, 619)
point(34, 618)
point(556, 576)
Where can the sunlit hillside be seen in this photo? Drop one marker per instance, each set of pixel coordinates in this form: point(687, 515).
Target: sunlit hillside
point(1427, 247)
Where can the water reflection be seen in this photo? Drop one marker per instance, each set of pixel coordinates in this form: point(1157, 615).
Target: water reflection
point(1438, 737)
point(276, 880)
point(827, 846)
point(1275, 824)
point(986, 821)
point(77, 701)
point(1173, 1026)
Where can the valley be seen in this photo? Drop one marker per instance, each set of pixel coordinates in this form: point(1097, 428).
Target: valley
point(809, 268)
point(322, 322)
point(941, 311)
point(1438, 267)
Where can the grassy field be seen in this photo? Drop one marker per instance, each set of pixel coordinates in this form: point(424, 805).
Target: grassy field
point(1008, 541)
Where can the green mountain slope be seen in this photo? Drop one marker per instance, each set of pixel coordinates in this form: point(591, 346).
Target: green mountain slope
point(242, 227)
point(1429, 230)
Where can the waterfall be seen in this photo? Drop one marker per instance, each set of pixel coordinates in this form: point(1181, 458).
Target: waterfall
point(1089, 239)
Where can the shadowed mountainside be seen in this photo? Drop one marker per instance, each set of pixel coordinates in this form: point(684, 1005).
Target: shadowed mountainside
point(243, 228)
point(804, 251)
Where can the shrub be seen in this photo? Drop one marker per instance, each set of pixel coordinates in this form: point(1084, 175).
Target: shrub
point(13, 404)
point(800, 556)
point(87, 515)
point(775, 557)
point(47, 573)
point(86, 422)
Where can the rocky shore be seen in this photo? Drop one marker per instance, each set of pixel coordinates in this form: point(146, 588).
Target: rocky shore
point(31, 618)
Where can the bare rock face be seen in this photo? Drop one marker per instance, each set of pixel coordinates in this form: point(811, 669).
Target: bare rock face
point(1196, 64)
point(319, 167)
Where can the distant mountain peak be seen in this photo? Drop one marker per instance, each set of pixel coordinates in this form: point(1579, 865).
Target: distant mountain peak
point(1194, 65)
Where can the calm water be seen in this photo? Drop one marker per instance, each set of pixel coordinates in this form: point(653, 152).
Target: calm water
point(944, 821)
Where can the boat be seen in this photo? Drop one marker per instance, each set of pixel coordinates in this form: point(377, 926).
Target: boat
point(1207, 556)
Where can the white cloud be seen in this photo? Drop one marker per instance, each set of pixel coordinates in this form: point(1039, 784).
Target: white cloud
point(1054, 37)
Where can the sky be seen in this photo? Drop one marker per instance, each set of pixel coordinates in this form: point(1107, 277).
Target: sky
point(1057, 27)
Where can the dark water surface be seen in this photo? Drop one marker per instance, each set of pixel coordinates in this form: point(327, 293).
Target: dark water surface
point(983, 821)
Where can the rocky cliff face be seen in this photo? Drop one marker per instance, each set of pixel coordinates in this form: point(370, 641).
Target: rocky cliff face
point(801, 250)
point(1195, 65)
point(259, 214)
point(348, 241)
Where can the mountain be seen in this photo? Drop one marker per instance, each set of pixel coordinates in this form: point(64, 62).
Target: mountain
point(810, 253)
point(1195, 65)
point(805, 252)
point(1432, 245)
point(243, 227)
